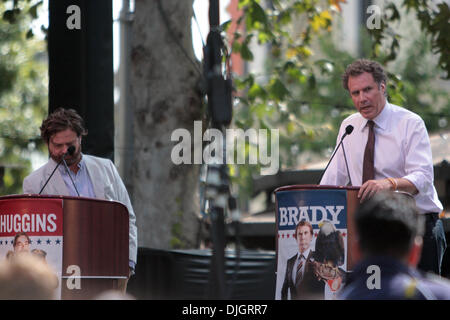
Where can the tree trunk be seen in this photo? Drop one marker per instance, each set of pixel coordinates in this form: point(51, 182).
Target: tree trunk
point(164, 96)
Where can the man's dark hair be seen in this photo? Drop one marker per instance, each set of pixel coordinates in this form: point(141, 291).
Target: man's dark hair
point(388, 223)
point(60, 120)
point(358, 67)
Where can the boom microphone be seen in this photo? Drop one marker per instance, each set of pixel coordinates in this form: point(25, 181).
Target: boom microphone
point(348, 130)
point(69, 152)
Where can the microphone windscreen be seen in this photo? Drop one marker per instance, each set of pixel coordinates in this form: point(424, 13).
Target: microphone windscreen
point(349, 129)
point(71, 150)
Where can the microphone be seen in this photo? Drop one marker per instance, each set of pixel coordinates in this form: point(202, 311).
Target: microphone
point(348, 130)
point(346, 164)
point(69, 151)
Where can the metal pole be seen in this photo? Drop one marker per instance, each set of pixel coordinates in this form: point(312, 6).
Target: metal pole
point(123, 110)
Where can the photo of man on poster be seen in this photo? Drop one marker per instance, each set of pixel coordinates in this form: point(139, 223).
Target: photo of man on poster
point(300, 279)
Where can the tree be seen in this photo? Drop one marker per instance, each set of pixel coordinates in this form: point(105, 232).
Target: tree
point(165, 93)
point(23, 94)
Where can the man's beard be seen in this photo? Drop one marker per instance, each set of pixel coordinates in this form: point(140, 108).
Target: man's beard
point(70, 160)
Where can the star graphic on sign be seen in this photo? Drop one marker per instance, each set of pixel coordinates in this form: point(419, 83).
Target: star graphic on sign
point(39, 241)
point(48, 241)
point(58, 241)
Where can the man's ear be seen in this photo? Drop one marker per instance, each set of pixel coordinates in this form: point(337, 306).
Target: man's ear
point(383, 88)
point(415, 252)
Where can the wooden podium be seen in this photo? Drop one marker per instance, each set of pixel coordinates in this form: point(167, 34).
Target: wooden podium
point(95, 239)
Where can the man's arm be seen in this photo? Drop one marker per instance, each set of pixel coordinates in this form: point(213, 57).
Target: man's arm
point(122, 195)
point(418, 166)
point(27, 186)
point(285, 287)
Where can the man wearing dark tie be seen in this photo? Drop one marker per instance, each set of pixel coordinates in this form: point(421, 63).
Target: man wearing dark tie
point(300, 279)
point(388, 150)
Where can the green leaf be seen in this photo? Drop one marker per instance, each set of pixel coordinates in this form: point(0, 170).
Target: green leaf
point(395, 15)
point(278, 90)
point(29, 34)
point(245, 52)
point(33, 10)
point(312, 81)
point(9, 16)
point(284, 17)
point(260, 110)
point(257, 14)
point(257, 91)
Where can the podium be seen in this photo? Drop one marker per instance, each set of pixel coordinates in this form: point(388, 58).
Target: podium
point(95, 237)
point(332, 247)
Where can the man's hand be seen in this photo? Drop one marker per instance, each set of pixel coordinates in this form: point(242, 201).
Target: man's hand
point(370, 187)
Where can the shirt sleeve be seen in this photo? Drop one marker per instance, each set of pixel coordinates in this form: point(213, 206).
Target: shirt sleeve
point(418, 158)
point(123, 197)
point(27, 186)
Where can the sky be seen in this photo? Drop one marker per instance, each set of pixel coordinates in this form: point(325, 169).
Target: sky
point(201, 10)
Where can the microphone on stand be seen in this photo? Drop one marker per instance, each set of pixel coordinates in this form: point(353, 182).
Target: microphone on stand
point(348, 130)
point(346, 165)
point(69, 152)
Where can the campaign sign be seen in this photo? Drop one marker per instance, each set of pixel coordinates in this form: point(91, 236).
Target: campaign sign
point(311, 243)
point(34, 226)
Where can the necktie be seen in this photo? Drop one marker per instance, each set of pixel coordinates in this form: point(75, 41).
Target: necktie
point(368, 164)
point(299, 275)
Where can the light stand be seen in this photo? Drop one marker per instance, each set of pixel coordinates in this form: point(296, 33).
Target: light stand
point(218, 91)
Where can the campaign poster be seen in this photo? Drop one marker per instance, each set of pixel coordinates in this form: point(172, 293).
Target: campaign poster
point(34, 226)
point(311, 244)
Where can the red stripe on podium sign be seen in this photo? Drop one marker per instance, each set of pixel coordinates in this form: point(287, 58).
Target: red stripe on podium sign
point(36, 217)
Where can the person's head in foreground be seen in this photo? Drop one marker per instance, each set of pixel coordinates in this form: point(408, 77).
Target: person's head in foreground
point(389, 224)
point(389, 231)
point(26, 277)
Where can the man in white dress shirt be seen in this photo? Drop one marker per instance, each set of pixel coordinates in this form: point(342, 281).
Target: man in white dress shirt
point(400, 153)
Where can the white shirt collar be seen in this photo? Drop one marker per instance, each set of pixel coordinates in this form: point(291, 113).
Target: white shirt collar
point(381, 120)
point(305, 253)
